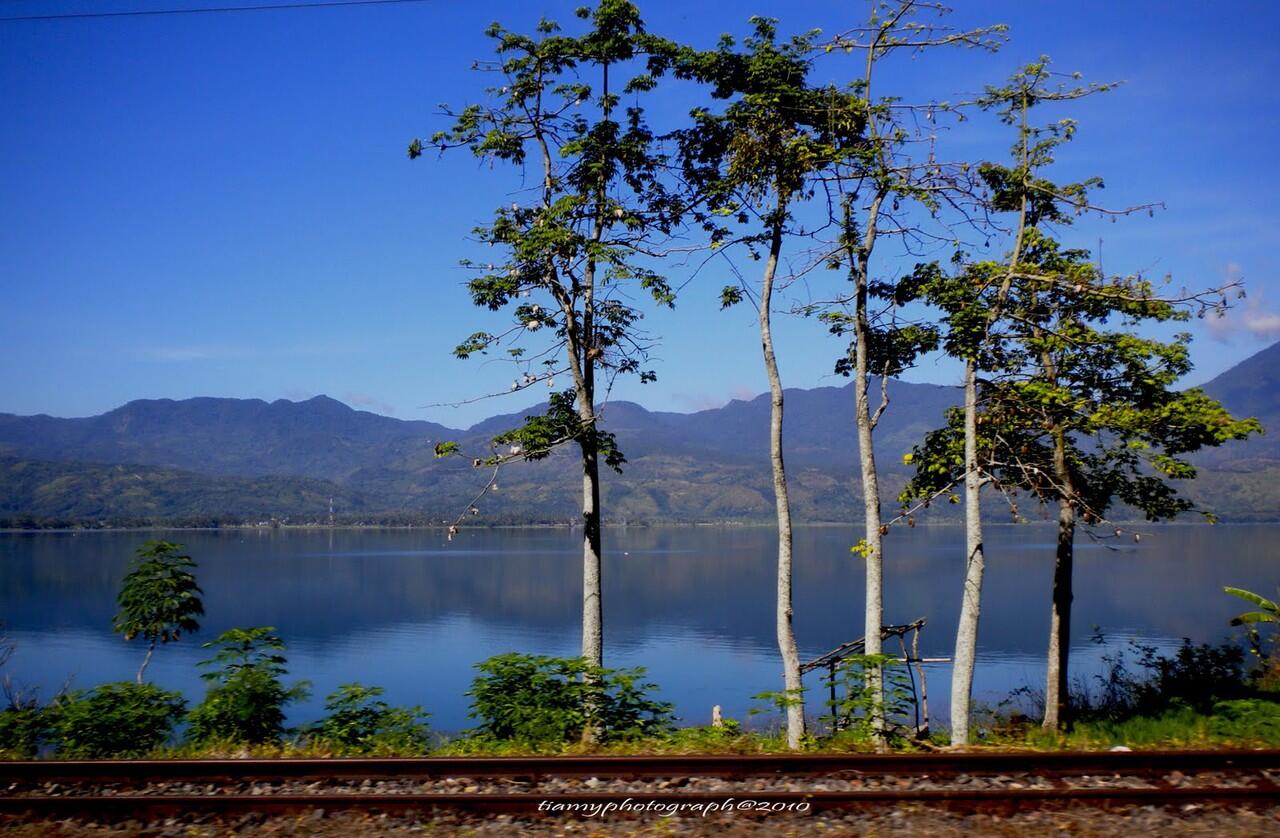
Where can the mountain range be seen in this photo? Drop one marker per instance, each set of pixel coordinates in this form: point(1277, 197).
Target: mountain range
point(210, 460)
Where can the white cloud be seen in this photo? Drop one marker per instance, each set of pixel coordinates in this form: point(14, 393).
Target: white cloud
point(374, 404)
point(707, 401)
point(1265, 324)
point(1254, 318)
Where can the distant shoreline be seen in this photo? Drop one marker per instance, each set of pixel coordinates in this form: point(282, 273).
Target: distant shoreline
point(946, 524)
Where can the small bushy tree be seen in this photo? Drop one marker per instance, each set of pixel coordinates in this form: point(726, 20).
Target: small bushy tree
point(24, 726)
point(121, 719)
point(247, 695)
point(359, 721)
point(159, 598)
point(542, 700)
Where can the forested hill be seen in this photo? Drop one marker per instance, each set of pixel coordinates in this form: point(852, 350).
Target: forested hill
point(1243, 480)
point(243, 459)
point(1252, 388)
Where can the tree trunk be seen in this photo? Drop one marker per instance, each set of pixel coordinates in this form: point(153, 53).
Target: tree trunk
point(786, 633)
point(1056, 707)
point(970, 604)
point(146, 661)
point(873, 614)
point(592, 597)
point(1056, 695)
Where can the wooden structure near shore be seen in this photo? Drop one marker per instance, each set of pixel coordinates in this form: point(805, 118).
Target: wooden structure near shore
point(920, 697)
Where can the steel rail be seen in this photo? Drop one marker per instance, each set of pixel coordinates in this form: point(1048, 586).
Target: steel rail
point(1055, 763)
point(28, 800)
point(124, 806)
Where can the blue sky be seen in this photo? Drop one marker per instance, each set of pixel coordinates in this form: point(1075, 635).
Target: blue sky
point(221, 204)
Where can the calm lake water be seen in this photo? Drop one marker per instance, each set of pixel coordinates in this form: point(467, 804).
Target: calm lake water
point(407, 611)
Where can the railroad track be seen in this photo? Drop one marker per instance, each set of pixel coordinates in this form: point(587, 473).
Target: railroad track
point(604, 785)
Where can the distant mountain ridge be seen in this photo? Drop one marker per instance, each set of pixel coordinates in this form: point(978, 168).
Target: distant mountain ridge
point(290, 457)
point(320, 437)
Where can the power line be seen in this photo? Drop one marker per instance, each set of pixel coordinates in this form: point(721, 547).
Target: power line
point(213, 10)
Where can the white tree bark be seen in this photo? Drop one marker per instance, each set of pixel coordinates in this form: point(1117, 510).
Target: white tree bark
point(966, 653)
point(786, 633)
point(592, 594)
point(142, 670)
point(873, 614)
point(970, 605)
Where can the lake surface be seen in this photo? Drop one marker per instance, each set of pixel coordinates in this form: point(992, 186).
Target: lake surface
point(410, 612)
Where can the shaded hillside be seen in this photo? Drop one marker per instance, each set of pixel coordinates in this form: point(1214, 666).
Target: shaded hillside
point(43, 491)
point(1250, 388)
point(287, 458)
point(320, 437)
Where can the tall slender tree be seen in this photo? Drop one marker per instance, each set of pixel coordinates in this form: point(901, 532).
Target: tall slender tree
point(1094, 420)
point(1064, 401)
point(755, 161)
point(894, 187)
point(573, 254)
point(972, 303)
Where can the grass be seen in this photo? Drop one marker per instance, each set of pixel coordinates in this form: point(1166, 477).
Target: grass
point(1248, 723)
point(1244, 723)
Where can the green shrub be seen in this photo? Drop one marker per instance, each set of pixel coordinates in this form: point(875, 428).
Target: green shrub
point(24, 726)
point(360, 722)
point(856, 705)
point(1247, 720)
point(1195, 677)
point(727, 736)
point(245, 702)
point(123, 719)
point(544, 700)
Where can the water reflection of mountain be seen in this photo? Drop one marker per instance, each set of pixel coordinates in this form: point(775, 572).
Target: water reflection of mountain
point(716, 583)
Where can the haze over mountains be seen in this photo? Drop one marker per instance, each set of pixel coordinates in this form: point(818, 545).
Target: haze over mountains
point(216, 459)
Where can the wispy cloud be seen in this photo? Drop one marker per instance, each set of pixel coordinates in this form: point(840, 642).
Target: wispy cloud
point(1254, 318)
point(708, 401)
point(372, 403)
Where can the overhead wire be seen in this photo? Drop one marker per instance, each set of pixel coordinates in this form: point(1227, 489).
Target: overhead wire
point(260, 7)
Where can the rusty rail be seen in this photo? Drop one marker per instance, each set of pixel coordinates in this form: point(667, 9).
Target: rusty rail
point(1153, 767)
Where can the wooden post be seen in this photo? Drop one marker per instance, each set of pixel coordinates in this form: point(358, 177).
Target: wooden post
point(924, 690)
point(835, 709)
point(915, 696)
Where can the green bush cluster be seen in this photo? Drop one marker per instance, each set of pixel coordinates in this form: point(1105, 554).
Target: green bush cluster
point(359, 722)
point(517, 698)
point(542, 700)
point(123, 719)
point(244, 705)
point(24, 725)
point(1196, 676)
point(246, 698)
point(525, 701)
